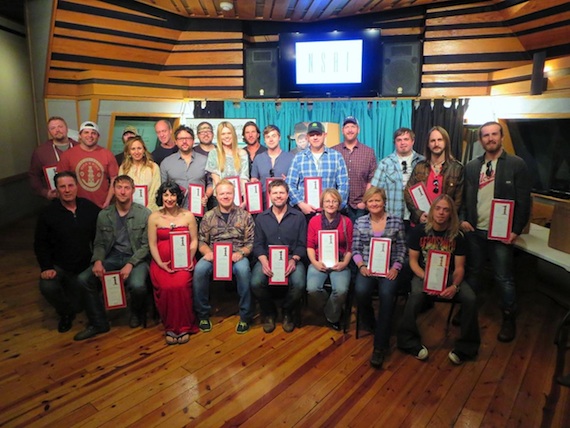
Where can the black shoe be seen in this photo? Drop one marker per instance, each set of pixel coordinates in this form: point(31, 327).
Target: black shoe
point(377, 358)
point(457, 357)
point(269, 324)
point(90, 332)
point(134, 321)
point(288, 324)
point(509, 328)
point(65, 323)
point(334, 325)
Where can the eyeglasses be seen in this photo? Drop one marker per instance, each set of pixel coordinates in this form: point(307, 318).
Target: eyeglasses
point(435, 186)
point(404, 167)
point(184, 139)
point(330, 202)
point(271, 173)
point(205, 131)
point(489, 171)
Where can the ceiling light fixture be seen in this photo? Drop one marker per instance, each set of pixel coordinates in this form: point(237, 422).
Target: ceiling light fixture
point(226, 6)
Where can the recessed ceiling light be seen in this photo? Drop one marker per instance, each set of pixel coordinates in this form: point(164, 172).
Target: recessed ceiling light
point(226, 6)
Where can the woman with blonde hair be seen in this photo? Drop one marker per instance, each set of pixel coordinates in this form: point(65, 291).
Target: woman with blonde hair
point(228, 160)
point(138, 165)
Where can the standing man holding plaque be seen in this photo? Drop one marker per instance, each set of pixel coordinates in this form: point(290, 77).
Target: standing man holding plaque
point(63, 239)
point(440, 173)
point(284, 226)
point(319, 162)
point(495, 175)
point(121, 244)
point(440, 233)
point(228, 224)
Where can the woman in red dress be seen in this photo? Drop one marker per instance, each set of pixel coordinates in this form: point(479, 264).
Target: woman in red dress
point(172, 288)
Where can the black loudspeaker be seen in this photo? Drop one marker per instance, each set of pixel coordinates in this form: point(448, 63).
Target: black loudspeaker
point(261, 73)
point(537, 81)
point(401, 69)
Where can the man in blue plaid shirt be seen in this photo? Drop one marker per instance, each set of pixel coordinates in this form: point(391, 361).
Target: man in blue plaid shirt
point(317, 161)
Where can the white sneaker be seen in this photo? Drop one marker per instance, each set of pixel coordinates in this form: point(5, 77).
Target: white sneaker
point(421, 354)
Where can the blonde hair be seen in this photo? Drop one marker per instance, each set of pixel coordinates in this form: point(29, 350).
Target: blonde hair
point(373, 190)
point(453, 230)
point(128, 162)
point(335, 194)
point(220, 148)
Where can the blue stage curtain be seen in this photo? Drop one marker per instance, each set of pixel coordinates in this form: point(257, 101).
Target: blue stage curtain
point(378, 119)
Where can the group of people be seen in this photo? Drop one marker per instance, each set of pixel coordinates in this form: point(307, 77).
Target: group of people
point(359, 199)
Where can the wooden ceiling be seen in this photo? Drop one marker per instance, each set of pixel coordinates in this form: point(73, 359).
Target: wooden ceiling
point(283, 10)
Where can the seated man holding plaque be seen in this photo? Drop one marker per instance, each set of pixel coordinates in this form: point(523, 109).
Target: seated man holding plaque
point(280, 245)
point(120, 254)
point(437, 258)
point(225, 242)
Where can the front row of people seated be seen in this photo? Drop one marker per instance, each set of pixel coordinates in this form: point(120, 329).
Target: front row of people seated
point(126, 233)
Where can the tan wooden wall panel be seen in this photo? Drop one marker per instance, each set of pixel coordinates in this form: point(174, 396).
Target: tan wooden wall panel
point(495, 65)
point(538, 23)
point(525, 70)
point(461, 47)
point(215, 95)
point(458, 8)
point(103, 90)
point(82, 67)
point(198, 58)
point(470, 18)
point(547, 38)
point(188, 36)
point(88, 35)
point(200, 73)
point(464, 32)
point(558, 83)
point(454, 78)
point(460, 92)
point(412, 31)
point(518, 88)
point(529, 7)
point(208, 47)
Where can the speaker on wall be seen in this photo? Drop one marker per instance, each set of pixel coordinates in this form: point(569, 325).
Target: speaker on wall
point(401, 69)
point(537, 81)
point(261, 73)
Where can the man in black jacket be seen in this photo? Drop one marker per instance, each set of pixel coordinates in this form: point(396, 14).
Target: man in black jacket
point(63, 240)
point(495, 175)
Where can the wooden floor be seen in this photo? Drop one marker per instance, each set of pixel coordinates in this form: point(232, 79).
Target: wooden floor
point(312, 377)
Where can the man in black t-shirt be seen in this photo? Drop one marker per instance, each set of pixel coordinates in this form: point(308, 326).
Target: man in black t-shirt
point(441, 233)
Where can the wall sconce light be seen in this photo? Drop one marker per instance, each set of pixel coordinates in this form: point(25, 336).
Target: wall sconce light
point(226, 6)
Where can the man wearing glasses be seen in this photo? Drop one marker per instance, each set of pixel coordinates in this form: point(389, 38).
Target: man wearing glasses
point(186, 167)
point(440, 173)
point(205, 133)
point(495, 175)
point(394, 171)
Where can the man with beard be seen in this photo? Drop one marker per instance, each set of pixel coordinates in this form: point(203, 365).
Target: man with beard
point(361, 163)
point(205, 133)
point(251, 136)
point(121, 244)
point(167, 146)
point(47, 155)
point(95, 167)
point(495, 175)
point(279, 225)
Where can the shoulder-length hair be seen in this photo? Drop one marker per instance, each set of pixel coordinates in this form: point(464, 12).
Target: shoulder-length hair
point(128, 162)
point(447, 148)
point(172, 187)
point(453, 230)
point(220, 148)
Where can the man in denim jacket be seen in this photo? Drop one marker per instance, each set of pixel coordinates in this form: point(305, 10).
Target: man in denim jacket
point(121, 244)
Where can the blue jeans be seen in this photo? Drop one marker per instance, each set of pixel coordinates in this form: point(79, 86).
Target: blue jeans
point(201, 285)
point(502, 259)
point(387, 290)
point(295, 290)
point(136, 284)
point(319, 297)
point(62, 292)
point(409, 338)
point(354, 213)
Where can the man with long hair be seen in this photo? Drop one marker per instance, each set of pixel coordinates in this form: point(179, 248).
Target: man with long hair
point(440, 232)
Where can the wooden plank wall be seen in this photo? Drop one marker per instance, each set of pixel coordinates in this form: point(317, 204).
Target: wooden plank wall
point(118, 49)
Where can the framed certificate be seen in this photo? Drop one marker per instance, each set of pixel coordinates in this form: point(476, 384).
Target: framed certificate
point(328, 247)
point(501, 220)
point(180, 250)
point(195, 195)
point(237, 189)
point(437, 271)
point(140, 195)
point(49, 174)
point(267, 198)
point(113, 290)
point(379, 260)
point(278, 261)
point(253, 197)
point(313, 189)
point(420, 197)
point(222, 261)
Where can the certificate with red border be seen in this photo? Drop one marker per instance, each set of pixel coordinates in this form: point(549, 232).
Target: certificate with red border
point(180, 250)
point(278, 261)
point(437, 271)
point(379, 260)
point(254, 197)
point(267, 198)
point(237, 189)
point(501, 219)
point(195, 195)
point(222, 261)
point(113, 290)
point(49, 174)
point(328, 247)
point(313, 189)
point(140, 195)
point(420, 197)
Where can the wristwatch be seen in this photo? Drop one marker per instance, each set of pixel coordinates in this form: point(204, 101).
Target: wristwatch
point(242, 252)
point(456, 288)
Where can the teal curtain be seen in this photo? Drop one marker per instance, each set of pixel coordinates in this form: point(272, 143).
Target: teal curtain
point(378, 119)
